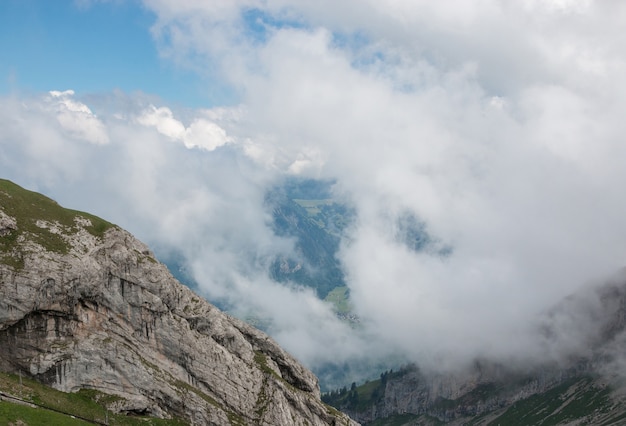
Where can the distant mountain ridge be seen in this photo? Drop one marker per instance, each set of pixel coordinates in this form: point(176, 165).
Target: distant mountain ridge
point(586, 386)
point(85, 305)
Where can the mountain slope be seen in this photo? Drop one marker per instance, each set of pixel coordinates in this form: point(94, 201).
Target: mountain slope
point(84, 305)
point(304, 211)
point(586, 384)
point(552, 398)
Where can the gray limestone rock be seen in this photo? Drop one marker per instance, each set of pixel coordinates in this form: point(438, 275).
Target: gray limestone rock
point(7, 224)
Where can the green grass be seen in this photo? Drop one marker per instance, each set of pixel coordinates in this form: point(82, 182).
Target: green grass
point(359, 398)
point(364, 397)
point(27, 207)
point(407, 419)
point(569, 401)
point(313, 207)
point(15, 414)
point(261, 360)
point(339, 298)
point(366, 394)
point(87, 404)
point(327, 214)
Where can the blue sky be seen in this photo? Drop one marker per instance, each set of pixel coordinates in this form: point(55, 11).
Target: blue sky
point(95, 48)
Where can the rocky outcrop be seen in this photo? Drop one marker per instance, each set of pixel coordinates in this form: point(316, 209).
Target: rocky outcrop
point(102, 313)
point(7, 224)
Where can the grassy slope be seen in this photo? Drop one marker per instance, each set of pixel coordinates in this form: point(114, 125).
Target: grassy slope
point(15, 414)
point(338, 297)
point(27, 207)
point(86, 406)
point(572, 400)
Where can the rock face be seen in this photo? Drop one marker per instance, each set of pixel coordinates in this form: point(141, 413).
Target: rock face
point(99, 312)
point(465, 398)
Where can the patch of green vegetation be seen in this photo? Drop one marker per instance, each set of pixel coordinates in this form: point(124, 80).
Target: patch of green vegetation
point(262, 402)
point(235, 419)
point(339, 297)
point(100, 397)
point(17, 414)
point(408, 419)
point(186, 386)
point(332, 410)
point(362, 398)
point(149, 365)
point(572, 400)
point(12, 258)
point(77, 404)
point(60, 408)
point(261, 360)
point(327, 214)
point(369, 393)
point(358, 398)
point(313, 207)
point(27, 208)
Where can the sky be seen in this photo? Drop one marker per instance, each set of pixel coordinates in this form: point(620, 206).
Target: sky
point(92, 47)
point(499, 125)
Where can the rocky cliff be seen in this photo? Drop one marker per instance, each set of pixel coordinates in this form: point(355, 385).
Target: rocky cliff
point(83, 304)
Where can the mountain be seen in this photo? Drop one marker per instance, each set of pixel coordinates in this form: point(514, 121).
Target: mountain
point(586, 384)
point(303, 209)
point(542, 397)
point(86, 307)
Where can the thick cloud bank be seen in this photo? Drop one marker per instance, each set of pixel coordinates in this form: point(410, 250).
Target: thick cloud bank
point(498, 126)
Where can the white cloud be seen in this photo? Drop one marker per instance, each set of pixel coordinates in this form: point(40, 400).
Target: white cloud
point(201, 133)
point(489, 121)
point(205, 134)
point(163, 120)
point(76, 118)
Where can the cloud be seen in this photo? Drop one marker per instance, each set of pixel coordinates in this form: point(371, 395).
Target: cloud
point(497, 126)
point(76, 118)
point(163, 120)
point(494, 124)
point(201, 133)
